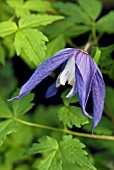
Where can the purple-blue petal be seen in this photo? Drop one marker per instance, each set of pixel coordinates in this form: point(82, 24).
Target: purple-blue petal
point(98, 95)
point(44, 70)
point(52, 90)
point(85, 70)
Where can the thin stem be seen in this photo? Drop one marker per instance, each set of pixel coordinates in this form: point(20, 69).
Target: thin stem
point(94, 33)
point(65, 130)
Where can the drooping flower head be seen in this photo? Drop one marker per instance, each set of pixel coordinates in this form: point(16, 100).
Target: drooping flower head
point(81, 72)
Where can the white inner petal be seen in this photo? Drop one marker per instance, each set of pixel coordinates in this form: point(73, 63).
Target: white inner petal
point(68, 74)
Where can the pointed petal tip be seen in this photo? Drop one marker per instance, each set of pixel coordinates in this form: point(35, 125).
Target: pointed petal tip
point(14, 98)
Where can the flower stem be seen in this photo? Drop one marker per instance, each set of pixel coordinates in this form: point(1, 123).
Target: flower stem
point(64, 130)
point(94, 33)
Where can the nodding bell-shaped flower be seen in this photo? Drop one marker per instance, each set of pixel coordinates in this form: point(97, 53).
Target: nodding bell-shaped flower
point(82, 74)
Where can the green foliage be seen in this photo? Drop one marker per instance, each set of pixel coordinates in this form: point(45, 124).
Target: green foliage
point(35, 30)
point(67, 150)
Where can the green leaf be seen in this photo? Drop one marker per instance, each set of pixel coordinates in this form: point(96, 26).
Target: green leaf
point(97, 55)
point(68, 150)
point(7, 28)
point(72, 116)
point(106, 23)
point(92, 8)
point(54, 45)
point(20, 107)
point(7, 127)
point(73, 11)
point(5, 112)
point(32, 42)
point(36, 5)
point(37, 20)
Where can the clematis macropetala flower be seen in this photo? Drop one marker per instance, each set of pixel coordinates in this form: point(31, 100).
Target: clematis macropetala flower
point(81, 72)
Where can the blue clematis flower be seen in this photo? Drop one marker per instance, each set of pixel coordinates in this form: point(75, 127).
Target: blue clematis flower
point(82, 74)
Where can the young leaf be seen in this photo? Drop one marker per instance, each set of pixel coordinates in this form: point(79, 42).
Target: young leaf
point(7, 127)
point(7, 28)
point(5, 112)
point(54, 45)
point(72, 116)
point(97, 56)
point(68, 150)
point(36, 5)
point(92, 8)
point(37, 20)
point(20, 107)
point(32, 42)
point(73, 11)
point(106, 23)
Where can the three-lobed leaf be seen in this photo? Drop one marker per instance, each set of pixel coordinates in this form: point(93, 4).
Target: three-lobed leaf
point(68, 150)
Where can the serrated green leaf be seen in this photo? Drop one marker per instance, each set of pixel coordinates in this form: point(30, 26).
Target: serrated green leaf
point(37, 20)
point(54, 45)
point(73, 11)
point(72, 116)
point(7, 28)
point(5, 112)
point(106, 23)
point(20, 107)
point(97, 55)
point(68, 150)
point(32, 42)
point(92, 8)
point(40, 6)
point(7, 127)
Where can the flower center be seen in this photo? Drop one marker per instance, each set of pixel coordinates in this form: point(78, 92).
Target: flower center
point(68, 74)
